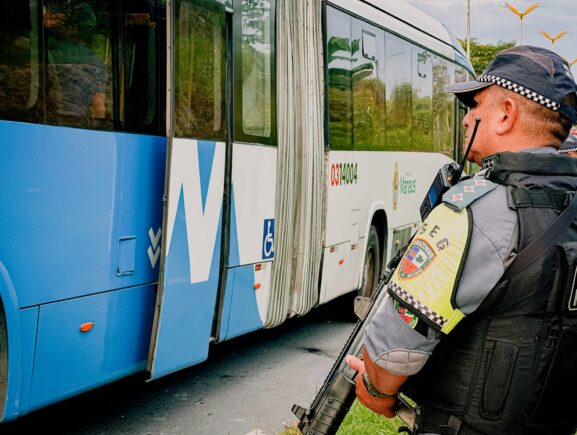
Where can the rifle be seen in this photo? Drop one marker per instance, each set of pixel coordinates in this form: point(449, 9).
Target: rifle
point(336, 396)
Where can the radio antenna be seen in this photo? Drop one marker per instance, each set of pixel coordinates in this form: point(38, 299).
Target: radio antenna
point(457, 176)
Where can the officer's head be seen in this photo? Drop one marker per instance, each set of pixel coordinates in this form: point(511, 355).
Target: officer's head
point(526, 97)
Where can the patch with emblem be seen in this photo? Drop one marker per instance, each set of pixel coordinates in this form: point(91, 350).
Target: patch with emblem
point(407, 315)
point(417, 258)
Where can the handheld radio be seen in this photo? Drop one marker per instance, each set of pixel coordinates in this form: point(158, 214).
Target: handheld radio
point(447, 177)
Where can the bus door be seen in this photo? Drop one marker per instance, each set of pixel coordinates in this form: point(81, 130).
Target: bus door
point(195, 182)
point(250, 248)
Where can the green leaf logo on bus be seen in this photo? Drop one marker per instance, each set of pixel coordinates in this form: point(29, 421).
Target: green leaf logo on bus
point(405, 185)
point(343, 173)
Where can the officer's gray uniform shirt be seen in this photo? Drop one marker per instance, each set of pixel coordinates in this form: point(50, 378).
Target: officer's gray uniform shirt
point(396, 346)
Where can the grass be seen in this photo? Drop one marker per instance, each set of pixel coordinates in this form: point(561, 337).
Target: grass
point(360, 421)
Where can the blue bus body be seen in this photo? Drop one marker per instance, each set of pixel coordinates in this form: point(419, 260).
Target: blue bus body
point(78, 207)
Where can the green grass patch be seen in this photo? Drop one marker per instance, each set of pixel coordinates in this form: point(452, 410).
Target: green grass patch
point(360, 421)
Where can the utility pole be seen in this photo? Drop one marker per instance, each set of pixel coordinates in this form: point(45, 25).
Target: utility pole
point(469, 29)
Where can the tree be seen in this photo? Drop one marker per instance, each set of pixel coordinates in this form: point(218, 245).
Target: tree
point(483, 54)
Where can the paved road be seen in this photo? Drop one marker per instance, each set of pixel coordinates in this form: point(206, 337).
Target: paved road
point(247, 385)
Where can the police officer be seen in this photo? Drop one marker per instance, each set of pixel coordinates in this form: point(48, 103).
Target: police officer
point(480, 329)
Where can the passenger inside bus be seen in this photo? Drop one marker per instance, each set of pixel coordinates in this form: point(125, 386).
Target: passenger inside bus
point(77, 76)
point(19, 73)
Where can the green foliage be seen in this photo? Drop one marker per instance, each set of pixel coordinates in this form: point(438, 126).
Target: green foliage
point(483, 54)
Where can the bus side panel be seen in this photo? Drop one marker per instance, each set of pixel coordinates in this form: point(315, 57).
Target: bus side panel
point(115, 346)
point(21, 329)
point(29, 324)
point(252, 233)
point(254, 187)
point(188, 291)
point(79, 208)
point(240, 312)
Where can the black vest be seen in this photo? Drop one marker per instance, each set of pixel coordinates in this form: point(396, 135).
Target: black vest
point(511, 367)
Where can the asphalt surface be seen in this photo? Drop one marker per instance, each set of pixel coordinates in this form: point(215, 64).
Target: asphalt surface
point(247, 386)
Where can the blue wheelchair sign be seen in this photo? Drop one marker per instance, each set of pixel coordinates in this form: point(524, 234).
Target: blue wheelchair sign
point(268, 239)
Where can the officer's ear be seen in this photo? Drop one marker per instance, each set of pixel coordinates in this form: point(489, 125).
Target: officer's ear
point(507, 115)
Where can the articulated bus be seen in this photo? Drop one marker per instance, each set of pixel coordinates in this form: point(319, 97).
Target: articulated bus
point(176, 173)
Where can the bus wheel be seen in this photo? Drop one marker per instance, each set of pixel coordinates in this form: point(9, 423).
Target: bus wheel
point(372, 266)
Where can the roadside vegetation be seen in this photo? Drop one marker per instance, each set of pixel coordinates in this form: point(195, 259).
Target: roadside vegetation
point(360, 421)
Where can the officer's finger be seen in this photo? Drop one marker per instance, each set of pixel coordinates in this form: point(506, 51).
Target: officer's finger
point(355, 363)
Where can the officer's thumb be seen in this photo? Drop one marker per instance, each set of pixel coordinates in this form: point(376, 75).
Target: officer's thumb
point(355, 363)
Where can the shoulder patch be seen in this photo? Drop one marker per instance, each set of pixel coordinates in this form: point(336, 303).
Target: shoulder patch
point(426, 278)
point(468, 191)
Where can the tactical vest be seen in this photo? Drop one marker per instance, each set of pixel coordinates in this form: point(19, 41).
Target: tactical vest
point(511, 367)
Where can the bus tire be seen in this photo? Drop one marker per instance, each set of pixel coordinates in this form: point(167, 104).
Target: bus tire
point(372, 266)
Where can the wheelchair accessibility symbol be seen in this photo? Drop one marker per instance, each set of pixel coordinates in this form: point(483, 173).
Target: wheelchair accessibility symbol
point(268, 239)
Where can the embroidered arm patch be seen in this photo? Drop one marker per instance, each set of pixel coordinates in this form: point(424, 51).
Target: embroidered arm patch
point(410, 318)
point(426, 278)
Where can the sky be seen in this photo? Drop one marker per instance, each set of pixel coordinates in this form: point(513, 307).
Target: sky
point(491, 23)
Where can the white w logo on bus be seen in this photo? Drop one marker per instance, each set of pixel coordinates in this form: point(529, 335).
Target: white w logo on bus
point(202, 217)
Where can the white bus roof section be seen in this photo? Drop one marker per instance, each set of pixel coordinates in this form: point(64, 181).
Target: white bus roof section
point(405, 20)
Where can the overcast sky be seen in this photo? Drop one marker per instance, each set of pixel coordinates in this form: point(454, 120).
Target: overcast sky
point(491, 23)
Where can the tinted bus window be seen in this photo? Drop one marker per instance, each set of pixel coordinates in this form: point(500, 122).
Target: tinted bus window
point(460, 74)
point(20, 78)
point(143, 67)
point(422, 100)
point(339, 53)
point(256, 68)
point(254, 73)
point(399, 93)
point(443, 107)
point(368, 83)
point(199, 69)
point(78, 63)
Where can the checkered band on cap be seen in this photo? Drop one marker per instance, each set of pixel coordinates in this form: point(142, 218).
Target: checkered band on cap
point(568, 150)
point(437, 319)
point(508, 84)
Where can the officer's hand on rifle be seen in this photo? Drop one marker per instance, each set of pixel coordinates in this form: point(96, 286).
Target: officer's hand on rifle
point(383, 399)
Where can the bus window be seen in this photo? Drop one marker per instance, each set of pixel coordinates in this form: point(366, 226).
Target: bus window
point(339, 54)
point(142, 68)
point(422, 100)
point(399, 93)
point(254, 71)
point(78, 63)
point(460, 75)
point(443, 110)
point(368, 83)
point(199, 70)
point(20, 96)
